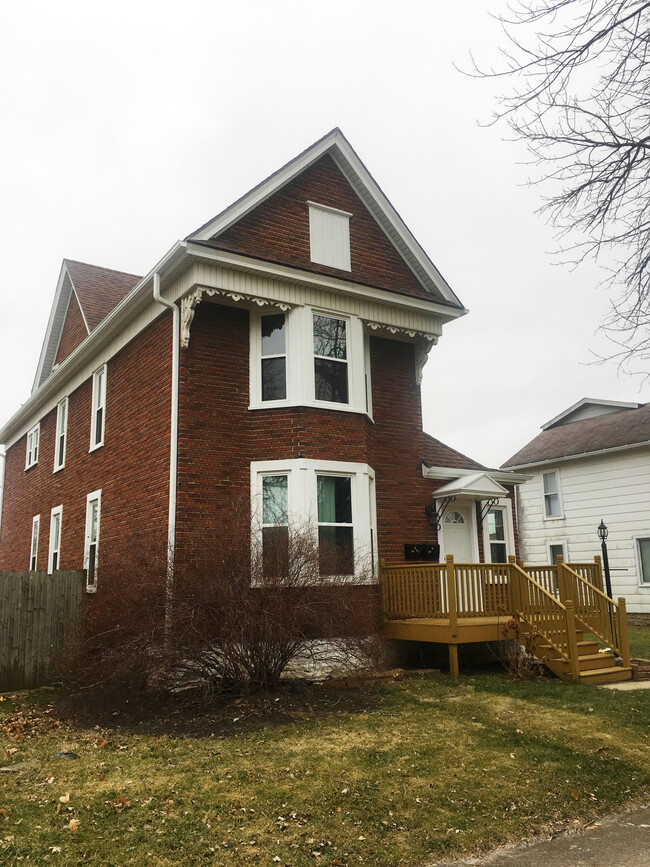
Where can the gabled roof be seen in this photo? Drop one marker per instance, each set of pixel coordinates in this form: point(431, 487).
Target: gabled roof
point(588, 407)
point(337, 146)
point(477, 486)
point(437, 454)
point(98, 291)
point(612, 430)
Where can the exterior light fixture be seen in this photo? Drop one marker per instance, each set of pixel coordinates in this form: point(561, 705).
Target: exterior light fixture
point(603, 532)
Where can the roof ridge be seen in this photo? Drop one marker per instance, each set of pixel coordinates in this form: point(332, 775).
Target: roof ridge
point(101, 268)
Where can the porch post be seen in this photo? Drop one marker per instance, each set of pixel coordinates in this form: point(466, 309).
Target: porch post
point(623, 636)
point(561, 580)
point(454, 670)
point(451, 598)
point(572, 641)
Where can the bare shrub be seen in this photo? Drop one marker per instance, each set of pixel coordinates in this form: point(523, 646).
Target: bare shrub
point(235, 620)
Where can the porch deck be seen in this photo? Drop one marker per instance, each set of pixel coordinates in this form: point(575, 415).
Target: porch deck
point(462, 603)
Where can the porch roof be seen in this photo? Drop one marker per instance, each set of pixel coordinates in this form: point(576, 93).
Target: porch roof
point(478, 486)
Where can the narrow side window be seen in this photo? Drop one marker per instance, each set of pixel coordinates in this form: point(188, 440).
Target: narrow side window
point(274, 357)
point(54, 558)
point(98, 419)
point(61, 434)
point(33, 437)
point(551, 495)
point(91, 544)
point(275, 525)
point(33, 556)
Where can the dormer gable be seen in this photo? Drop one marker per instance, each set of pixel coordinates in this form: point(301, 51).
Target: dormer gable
point(328, 189)
point(84, 296)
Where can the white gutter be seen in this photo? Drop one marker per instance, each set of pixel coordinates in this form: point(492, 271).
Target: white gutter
point(505, 477)
point(578, 455)
point(173, 447)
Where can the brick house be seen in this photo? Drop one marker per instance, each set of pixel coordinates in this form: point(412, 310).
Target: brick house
point(274, 356)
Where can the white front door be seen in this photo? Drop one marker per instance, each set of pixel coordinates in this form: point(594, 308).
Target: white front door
point(457, 527)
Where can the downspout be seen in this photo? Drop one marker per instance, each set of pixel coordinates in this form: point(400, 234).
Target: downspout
point(173, 446)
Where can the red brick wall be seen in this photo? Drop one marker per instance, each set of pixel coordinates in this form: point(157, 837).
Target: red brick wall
point(219, 436)
point(132, 468)
point(74, 330)
point(278, 231)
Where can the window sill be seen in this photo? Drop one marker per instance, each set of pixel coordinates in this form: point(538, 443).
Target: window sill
point(94, 448)
point(58, 469)
point(553, 517)
point(314, 404)
point(31, 466)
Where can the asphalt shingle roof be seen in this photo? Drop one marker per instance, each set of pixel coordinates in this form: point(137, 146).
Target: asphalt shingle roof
point(437, 454)
point(99, 290)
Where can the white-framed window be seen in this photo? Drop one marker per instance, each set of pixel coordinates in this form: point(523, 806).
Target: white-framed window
point(498, 532)
point(91, 541)
point(61, 434)
point(54, 556)
point(642, 552)
point(33, 551)
point(555, 550)
point(98, 418)
point(334, 499)
point(309, 357)
point(329, 236)
point(552, 500)
point(33, 438)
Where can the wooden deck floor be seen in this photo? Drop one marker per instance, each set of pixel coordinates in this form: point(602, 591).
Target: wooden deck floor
point(468, 629)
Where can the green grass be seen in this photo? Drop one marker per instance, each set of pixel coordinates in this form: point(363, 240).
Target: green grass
point(640, 641)
point(436, 768)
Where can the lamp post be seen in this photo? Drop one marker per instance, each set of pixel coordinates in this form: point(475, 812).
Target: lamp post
point(602, 533)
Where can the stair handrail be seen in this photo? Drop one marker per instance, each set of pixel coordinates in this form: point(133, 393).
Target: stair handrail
point(523, 609)
point(607, 619)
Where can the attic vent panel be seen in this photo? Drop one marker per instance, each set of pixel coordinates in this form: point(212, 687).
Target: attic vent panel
point(329, 236)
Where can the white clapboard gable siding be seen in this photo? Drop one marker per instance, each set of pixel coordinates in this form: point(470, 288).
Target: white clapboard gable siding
point(614, 488)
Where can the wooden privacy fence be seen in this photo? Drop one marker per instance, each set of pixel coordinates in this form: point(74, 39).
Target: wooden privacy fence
point(36, 612)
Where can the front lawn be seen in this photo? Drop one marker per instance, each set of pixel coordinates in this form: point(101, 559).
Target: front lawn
point(423, 769)
point(640, 641)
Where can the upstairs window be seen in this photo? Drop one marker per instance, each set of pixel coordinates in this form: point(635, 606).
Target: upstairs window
point(54, 558)
point(274, 357)
point(33, 437)
point(330, 359)
point(61, 434)
point(552, 495)
point(99, 408)
point(33, 556)
point(329, 236)
point(91, 544)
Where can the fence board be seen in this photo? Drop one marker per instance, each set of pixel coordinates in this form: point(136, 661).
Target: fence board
point(36, 612)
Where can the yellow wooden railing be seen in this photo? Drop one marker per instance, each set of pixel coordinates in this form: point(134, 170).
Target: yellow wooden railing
point(594, 610)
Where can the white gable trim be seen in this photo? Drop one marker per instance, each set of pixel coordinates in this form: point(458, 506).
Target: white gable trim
point(589, 401)
point(478, 486)
point(366, 188)
point(505, 476)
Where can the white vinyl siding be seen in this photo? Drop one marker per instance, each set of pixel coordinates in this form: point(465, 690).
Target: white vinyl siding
point(329, 236)
point(54, 556)
point(33, 554)
point(60, 441)
point(614, 488)
point(98, 418)
point(33, 441)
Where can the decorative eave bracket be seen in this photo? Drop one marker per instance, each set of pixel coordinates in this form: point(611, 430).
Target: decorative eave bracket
point(435, 515)
point(190, 302)
point(486, 508)
point(423, 342)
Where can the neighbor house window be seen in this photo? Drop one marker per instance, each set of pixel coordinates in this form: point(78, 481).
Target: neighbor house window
point(334, 500)
point(54, 558)
point(33, 437)
point(329, 236)
point(61, 434)
point(497, 536)
point(33, 556)
point(99, 408)
point(330, 359)
point(551, 495)
point(274, 357)
point(643, 550)
point(555, 550)
point(91, 544)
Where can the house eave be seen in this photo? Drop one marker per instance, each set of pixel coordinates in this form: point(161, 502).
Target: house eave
point(578, 455)
point(450, 473)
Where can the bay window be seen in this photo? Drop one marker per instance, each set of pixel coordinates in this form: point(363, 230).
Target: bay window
point(330, 359)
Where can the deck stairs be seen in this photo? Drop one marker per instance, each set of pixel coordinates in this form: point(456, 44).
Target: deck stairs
point(560, 613)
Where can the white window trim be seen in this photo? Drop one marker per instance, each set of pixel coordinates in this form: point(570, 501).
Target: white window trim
point(30, 460)
point(565, 549)
point(321, 254)
point(303, 502)
point(57, 510)
point(59, 433)
point(91, 586)
point(559, 517)
point(642, 585)
point(299, 345)
point(33, 555)
point(506, 504)
point(95, 406)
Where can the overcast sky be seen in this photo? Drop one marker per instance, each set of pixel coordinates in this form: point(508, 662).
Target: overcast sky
point(127, 125)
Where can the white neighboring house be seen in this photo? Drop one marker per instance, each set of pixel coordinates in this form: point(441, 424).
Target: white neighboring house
point(590, 462)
